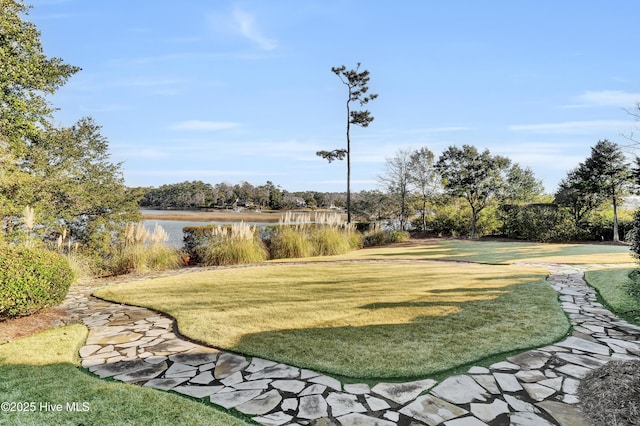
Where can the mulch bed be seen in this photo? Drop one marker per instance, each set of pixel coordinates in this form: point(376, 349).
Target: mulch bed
point(610, 395)
point(16, 328)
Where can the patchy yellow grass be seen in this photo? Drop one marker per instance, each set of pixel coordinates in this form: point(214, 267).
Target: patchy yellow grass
point(362, 319)
point(498, 252)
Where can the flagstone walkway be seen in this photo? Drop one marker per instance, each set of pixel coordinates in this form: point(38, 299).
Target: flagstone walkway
point(536, 388)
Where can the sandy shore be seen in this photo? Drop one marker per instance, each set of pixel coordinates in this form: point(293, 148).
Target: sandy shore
point(214, 216)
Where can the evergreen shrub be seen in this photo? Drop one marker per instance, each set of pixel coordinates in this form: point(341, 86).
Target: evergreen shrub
point(31, 279)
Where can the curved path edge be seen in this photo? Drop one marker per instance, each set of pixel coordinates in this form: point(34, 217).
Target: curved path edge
point(537, 387)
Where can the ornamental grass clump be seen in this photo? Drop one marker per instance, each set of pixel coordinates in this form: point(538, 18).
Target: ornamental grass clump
point(301, 235)
point(333, 236)
point(145, 251)
point(291, 239)
point(235, 244)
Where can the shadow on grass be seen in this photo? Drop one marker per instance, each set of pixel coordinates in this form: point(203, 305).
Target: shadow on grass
point(499, 252)
point(462, 332)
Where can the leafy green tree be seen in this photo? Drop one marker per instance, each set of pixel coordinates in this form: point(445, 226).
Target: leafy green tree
point(275, 196)
point(397, 181)
point(357, 85)
point(607, 173)
point(476, 177)
point(522, 186)
point(425, 179)
point(372, 205)
point(27, 75)
point(573, 194)
point(75, 186)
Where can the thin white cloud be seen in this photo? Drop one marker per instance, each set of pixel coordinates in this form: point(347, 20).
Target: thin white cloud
point(248, 28)
point(206, 126)
point(573, 127)
point(605, 98)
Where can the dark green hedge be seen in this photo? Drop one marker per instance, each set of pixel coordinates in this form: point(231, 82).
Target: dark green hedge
point(31, 279)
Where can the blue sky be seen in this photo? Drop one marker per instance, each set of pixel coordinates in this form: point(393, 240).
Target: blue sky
point(243, 90)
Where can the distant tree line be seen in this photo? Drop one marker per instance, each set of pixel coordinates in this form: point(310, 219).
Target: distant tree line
point(463, 192)
point(201, 195)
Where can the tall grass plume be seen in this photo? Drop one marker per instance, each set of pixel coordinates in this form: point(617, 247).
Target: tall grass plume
point(235, 244)
point(145, 251)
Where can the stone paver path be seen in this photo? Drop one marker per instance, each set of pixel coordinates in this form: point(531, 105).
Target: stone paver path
point(536, 388)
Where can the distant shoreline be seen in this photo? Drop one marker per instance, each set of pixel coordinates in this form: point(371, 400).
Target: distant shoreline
point(216, 215)
point(213, 216)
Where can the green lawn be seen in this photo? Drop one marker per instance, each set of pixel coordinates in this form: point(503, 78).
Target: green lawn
point(360, 319)
point(498, 252)
point(611, 283)
point(43, 369)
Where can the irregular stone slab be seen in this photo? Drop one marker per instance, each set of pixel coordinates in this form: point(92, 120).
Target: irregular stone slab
point(376, 404)
point(233, 399)
point(148, 373)
point(87, 350)
point(278, 371)
point(233, 379)
point(460, 390)
point(356, 419)
point(507, 382)
point(528, 419)
point(253, 384)
point(109, 370)
point(229, 364)
point(155, 359)
point(261, 404)
point(164, 384)
point(122, 337)
point(198, 391)
point(432, 410)
point(312, 407)
point(307, 374)
point(196, 358)
point(564, 414)
point(555, 384)
point(584, 345)
point(205, 367)
point(530, 376)
point(465, 421)
point(344, 403)
point(488, 412)
point(181, 370)
point(203, 378)
point(313, 390)
point(258, 364)
point(289, 404)
point(622, 343)
point(538, 392)
point(479, 370)
point(487, 382)
point(519, 405)
point(327, 381)
point(291, 386)
point(402, 392)
point(275, 419)
point(583, 360)
point(530, 360)
point(357, 389)
point(504, 366)
point(573, 370)
point(392, 415)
